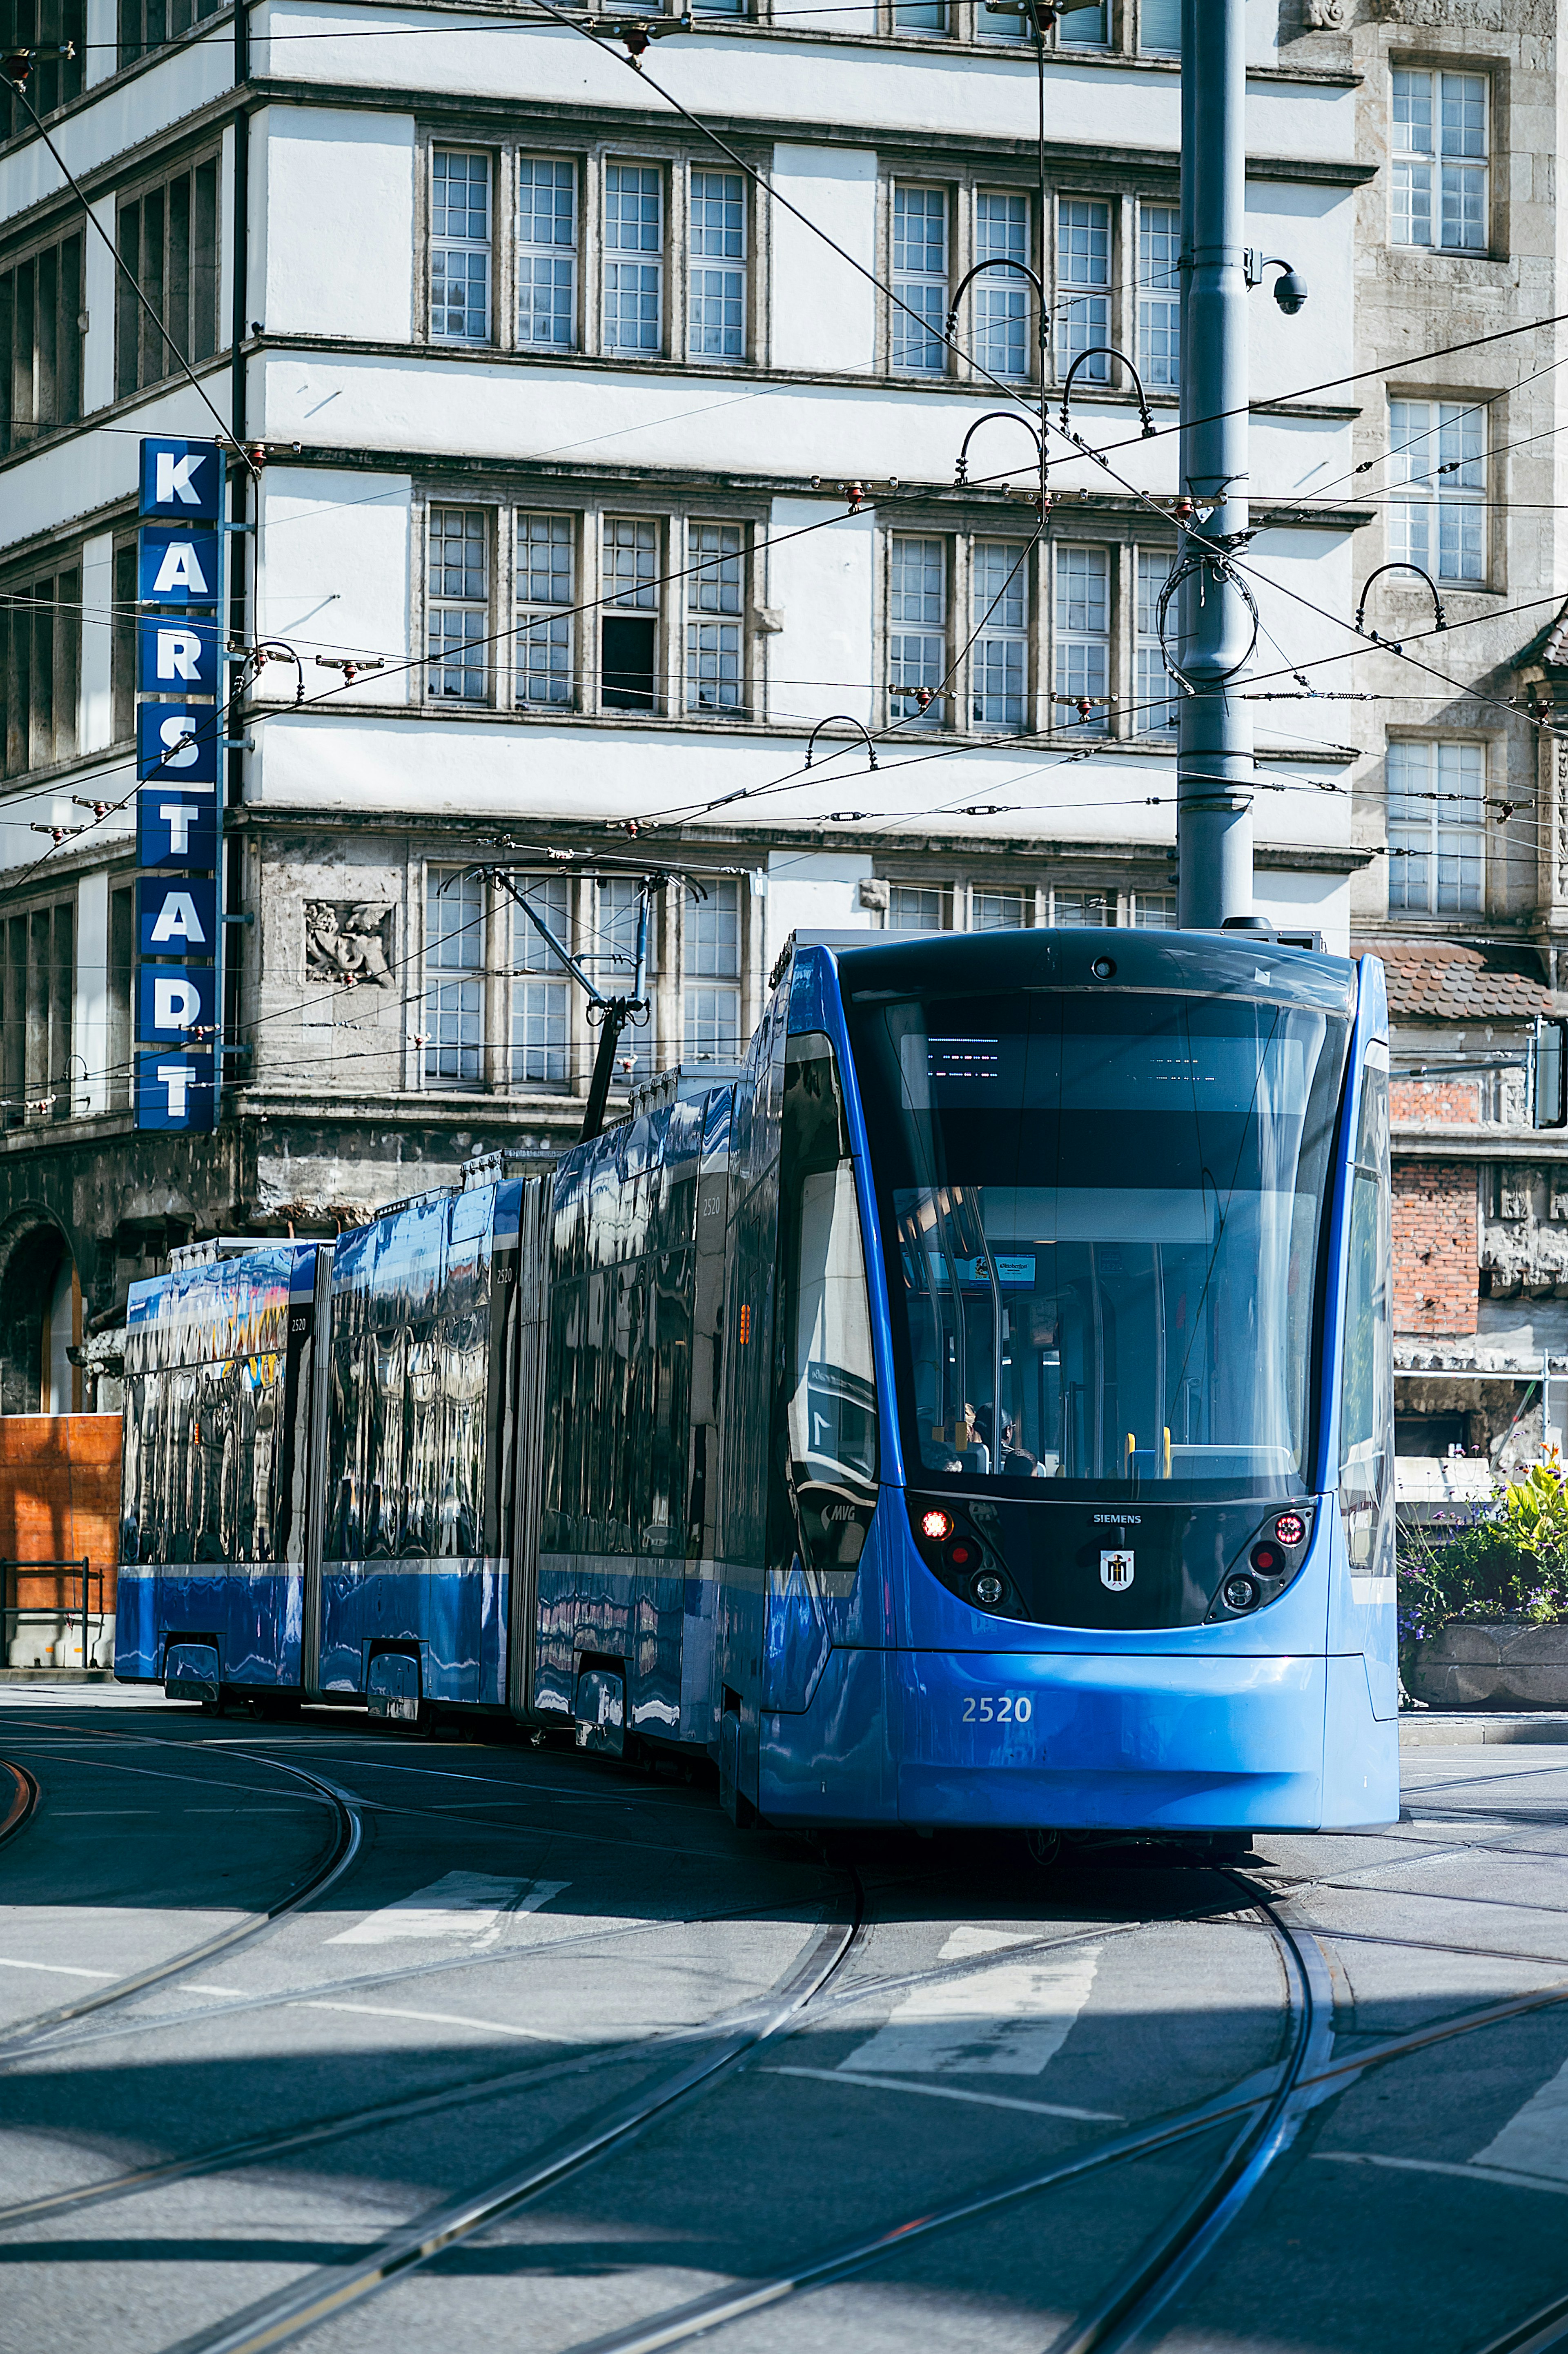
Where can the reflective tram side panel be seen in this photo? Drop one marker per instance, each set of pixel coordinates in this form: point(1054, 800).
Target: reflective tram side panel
point(212, 1525)
point(420, 1442)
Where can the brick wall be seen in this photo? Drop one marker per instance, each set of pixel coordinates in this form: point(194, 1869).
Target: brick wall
point(60, 1499)
point(1446, 1102)
point(1436, 1284)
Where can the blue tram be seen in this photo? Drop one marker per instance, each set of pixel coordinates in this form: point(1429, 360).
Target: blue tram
point(975, 1411)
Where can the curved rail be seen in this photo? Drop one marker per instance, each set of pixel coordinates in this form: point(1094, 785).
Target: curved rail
point(329, 2291)
point(24, 1803)
point(20, 2041)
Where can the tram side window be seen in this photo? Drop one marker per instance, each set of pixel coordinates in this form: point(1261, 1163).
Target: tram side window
point(1366, 1394)
point(829, 1421)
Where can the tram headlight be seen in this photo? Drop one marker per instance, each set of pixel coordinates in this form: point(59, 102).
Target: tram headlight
point(964, 1554)
point(1241, 1594)
point(938, 1526)
point(1290, 1528)
point(986, 1589)
point(1267, 1559)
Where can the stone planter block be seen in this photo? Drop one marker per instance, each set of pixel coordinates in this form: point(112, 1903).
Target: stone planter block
point(1492, 1663)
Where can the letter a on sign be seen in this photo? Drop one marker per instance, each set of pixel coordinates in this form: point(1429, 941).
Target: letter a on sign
point(177, 564)
point(177, 917)
point(183, 479)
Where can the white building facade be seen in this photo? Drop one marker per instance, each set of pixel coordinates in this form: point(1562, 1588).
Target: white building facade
point(604, 514)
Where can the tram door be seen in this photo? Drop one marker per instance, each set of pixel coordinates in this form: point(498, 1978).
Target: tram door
point(312, 1426)
point(1366, 1398)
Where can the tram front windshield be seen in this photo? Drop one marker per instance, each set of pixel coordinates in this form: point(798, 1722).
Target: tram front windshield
point(1101, 1214)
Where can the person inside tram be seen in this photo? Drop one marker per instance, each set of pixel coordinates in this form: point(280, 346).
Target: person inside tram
point(1014, 1462)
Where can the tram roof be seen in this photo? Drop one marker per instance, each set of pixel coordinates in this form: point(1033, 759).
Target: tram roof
point(1244, 965)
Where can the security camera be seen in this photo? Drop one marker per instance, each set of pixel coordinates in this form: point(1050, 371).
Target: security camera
point(1290, 293)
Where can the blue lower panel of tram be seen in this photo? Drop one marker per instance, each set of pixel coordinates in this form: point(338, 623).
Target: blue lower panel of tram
point(450, 1616)
point(653, 1620)
point(245, 1622)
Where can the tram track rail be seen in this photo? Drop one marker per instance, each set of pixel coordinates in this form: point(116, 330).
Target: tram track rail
point(326, 2293)
point(27, 2037)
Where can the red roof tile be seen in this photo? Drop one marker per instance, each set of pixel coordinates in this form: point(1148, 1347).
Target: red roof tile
point(1439, 980)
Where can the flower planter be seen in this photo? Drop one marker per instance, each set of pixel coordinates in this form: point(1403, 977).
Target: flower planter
point(1492, 1663)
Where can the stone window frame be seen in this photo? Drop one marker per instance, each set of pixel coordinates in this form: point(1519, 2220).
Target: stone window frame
point(1044, 715)
point(675, 158)
point(961, 882)
point(589, 507)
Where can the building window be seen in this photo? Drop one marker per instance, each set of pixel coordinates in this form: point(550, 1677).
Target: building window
point(454, 976)
point(999, 596)
point(1440, 160)
point(1437, 828)
point(633, 258)
point(122, 982)
point(547, 253)
point(144, 26)
point(1437, 506)
point(629, 626)
point(1083, 261)
point(713, 958)
point(55, 80)
point(40, 342)
point(1158, 296)
point(997, 911)
point(614, 967)
point(40, 667)
point(917, 634)
point(1076, 910)
point(1084, 28)
point(920, 279)
point(1154, 691)
point(919, 16)
point(459, 245)
point(1002, 296)
point(718, 265)
point(1154, 911)
point(458, 623)
point(540, 1040)
point(122, 643)
point(545, 618)
point(915, 907)
point(715, 676)
point(1083, 633)
point(39, 1001)
point(1159, 28)
point(168, 243)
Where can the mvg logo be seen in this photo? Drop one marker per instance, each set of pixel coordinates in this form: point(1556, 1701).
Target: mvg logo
point(1115, 1570)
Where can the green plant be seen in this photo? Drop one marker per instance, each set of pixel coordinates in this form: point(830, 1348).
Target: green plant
point(1512, 1563)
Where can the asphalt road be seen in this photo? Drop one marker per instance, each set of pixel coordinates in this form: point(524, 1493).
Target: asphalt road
point(314, 2034)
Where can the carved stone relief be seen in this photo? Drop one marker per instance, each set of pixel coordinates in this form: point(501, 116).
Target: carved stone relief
point(349, 941)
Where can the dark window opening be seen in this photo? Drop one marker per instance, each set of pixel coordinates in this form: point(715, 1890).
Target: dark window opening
point(168, 243)
point(627, 644)
point(54, 81)
point(41, 661)
point(146, 25)
point(121, 977)
point(123, 645)
point(40, 342)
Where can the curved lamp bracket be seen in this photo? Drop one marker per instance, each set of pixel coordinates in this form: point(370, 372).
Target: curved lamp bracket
point(1439, 618)
point(828, 722)
point(1108, 352)
point(977, 269)
point(999, 417)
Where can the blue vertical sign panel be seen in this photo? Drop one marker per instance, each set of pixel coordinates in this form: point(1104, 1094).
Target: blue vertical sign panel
point(179, 733)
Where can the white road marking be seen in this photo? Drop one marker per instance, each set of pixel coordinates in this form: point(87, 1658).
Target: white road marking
point(1535, 2140)
point(952, 2092)
point(967, 1941)
point(1470, 2173)
point(472, 1905)
point(1008, 2020)
point(434, 2018)
point(58, 1969)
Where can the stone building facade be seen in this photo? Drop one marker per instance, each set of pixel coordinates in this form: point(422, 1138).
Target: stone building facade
point(599, 497)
